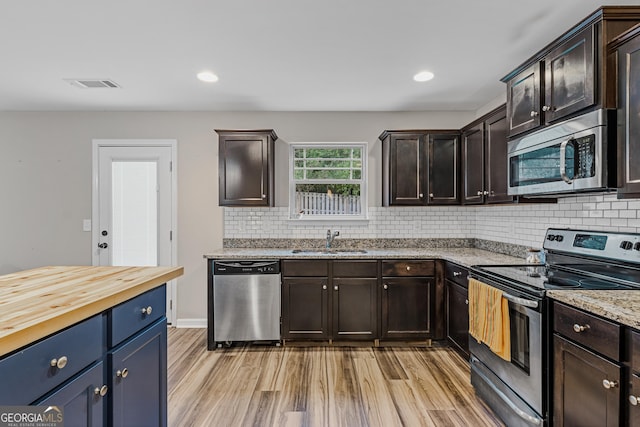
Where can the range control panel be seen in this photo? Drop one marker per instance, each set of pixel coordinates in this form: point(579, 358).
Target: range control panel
point(619, 246)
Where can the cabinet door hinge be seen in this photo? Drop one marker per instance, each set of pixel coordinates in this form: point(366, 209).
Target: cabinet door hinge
point(171, 166)
point(171, 235)
point(170, 304)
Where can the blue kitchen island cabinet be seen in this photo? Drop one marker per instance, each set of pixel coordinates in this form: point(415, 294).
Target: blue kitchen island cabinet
point(100, 352)
point(139, 378)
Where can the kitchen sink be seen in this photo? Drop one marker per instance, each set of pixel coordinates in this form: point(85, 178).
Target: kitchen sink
point(329, 251)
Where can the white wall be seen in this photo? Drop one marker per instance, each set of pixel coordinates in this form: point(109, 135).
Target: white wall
point(45, 177)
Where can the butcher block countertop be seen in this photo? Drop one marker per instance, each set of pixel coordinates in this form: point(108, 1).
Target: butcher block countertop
point(36, 303)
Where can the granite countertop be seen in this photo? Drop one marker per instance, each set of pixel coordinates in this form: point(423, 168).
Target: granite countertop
point(463, 256)
point(620, 306)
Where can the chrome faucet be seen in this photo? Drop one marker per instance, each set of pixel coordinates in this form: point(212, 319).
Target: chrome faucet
point(331, 237)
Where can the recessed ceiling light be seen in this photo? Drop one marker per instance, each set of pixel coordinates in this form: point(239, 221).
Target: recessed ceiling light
point(207, 76)
point(423, 76)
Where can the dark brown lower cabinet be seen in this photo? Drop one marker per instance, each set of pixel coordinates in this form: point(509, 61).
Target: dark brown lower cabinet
point(341, 304)
point(581, 396)
point(305, 308)
point(407, 307)
point(354, 309)
point(457, 312)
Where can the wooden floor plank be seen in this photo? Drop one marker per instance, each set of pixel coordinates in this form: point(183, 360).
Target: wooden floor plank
point(292, 386)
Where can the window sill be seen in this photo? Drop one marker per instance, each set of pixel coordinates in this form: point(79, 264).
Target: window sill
point(328, 220)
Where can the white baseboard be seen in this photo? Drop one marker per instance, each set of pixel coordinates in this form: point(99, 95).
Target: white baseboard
point(191, 323)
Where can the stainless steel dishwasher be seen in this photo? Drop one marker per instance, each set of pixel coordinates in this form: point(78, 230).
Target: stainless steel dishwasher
point(246, 301)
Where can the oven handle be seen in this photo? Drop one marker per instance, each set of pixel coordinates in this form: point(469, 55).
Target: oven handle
point(520, 301)
point(528, 418)
point(563, 160)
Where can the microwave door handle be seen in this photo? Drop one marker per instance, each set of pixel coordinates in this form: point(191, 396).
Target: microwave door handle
point(563, 160)
point(520, 301)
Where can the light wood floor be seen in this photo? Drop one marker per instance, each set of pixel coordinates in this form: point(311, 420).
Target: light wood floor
point(318, 386)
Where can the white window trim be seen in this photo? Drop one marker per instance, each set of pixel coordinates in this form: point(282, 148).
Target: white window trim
point(294, 217)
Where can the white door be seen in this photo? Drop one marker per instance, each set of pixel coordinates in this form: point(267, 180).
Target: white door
point(134, 205)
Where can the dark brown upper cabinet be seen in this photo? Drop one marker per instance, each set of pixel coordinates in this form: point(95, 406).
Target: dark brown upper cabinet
point(420, 167)
point(628, 51)
point(246, 165)
point(523, 99)
point(484, 159)
point(574, 73)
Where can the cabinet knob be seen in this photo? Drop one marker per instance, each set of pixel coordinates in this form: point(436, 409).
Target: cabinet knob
point(457, 273)
point(421, 195)
point(335, 288)
point(580, 328)
point(431, 195)
point(385, 286)
point(103, 245)
point(479, 193)
point(264, 196)
point(59, 363)
point(324, 287)
point(609, 384)
point(123, 373)
point(546, 108)
point(147, 310)
point(534, 114)
point(408, 268)
point(486, 193)
point(101, 391)
point(466, 302)
point(633, 399)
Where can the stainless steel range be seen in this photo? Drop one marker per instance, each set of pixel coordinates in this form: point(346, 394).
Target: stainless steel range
point(518, 391)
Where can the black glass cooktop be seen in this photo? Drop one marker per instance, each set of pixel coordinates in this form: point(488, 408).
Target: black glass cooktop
point(544, 277)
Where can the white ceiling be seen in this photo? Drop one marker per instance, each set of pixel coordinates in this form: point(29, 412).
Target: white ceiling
point(271, 55)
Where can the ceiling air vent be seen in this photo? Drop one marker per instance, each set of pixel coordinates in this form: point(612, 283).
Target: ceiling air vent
point(93, 83)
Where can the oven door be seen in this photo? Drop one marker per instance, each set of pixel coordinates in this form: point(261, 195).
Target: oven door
point(523, 376)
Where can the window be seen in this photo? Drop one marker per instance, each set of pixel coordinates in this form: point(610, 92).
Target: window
point(328, 180)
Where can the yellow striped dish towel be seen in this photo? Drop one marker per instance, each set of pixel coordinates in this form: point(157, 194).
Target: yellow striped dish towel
point(489, 318)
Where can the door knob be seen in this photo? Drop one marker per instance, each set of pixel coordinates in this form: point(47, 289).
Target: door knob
point(103, 245)
point(104, 232)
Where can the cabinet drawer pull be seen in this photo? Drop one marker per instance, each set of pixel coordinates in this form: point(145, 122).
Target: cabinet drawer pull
point(609, 384)
point(408, 268)
point(457, 273)
point(633, 399)
point(101, 391)
point(122, 373)
point(580, 328)
point(147, 310)
point(59, 363)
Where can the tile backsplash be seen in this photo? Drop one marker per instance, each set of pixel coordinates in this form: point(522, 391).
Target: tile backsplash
point(520, 224)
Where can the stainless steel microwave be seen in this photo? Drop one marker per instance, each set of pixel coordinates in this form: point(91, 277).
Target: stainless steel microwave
point(571, 156)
